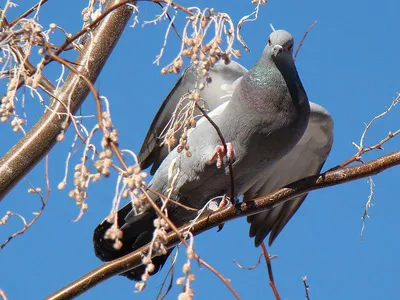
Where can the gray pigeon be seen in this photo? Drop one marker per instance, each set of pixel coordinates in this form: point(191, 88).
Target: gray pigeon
point(264, 120)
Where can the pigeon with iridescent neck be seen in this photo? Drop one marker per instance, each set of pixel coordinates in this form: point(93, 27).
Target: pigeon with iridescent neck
point(264, 119)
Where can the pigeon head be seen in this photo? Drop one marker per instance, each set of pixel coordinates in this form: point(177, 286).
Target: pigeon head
point(280, 43)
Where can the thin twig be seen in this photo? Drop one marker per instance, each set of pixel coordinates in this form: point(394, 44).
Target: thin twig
point(170, 274)
point(361, 149)
point(249, 18)
point(91, 25)
point(28, 12)
point(249, 268)
point(303, 38)
point(173, 25)
point(172, 201)
point(39, 213)
point(306, 287)
point(183, 241)
point(44, 83)
point(174, 4)
point(367, 206)
point(232, 186)
point(270, 274)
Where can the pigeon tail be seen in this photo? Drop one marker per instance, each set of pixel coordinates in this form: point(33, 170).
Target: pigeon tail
point(137, 232)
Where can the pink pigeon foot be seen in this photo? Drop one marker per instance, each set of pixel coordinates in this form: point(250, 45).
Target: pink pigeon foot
point(219, 154)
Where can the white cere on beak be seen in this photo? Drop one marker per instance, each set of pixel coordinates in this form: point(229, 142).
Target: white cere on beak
point(277, 49)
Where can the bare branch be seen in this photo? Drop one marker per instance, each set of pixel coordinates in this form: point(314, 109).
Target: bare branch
point(134, 259)
point(249, 18)
point(37, 214)
point(170, 274)
point(361, 149)
point(252, 267)
point(303, 38)
point(367, 206)
point(306, 287)
point(270, 274)
point(175, 5)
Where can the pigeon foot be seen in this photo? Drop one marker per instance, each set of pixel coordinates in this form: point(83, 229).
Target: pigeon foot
point(219, 154)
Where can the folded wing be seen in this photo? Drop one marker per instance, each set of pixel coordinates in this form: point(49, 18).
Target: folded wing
point(214, 94)
point(305, 159)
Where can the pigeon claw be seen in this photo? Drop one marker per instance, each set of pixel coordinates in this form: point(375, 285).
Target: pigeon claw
point(220, 153)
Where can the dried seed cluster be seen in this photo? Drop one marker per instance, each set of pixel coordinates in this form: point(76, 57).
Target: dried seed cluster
point(7, 106)
point(181, 125)
point(31, 32)
point(114, 233)
point(82, 175)
point(90, 13)
point(82, 178)
point(160, 236)
point(158, 247)
point(188, 292)
point(134, 180)
point(203, 55)
point(18, 40)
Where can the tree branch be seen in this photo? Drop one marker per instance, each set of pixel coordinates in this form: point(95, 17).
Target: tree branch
point(134, 259)
point(23, 156)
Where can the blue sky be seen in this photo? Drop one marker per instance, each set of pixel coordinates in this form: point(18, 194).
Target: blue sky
point(348, 63)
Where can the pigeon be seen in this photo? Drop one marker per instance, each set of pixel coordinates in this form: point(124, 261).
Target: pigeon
point(262, 121)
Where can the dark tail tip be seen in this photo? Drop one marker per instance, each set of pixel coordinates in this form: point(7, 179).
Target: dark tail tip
point(138, 233)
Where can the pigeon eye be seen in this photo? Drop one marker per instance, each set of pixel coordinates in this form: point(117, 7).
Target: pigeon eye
point(269, 41)
point(290, 47)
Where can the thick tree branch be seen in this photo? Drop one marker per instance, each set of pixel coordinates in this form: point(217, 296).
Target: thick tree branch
point(134, 259)
point(42, 137)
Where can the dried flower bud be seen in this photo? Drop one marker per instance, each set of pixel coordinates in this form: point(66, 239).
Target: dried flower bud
point(150, 268)
point(186, 268)
point(237, 53)
point(61, 185)
point(117, 245)
point(145, 277)
point(191, 277)
point(180, 281)
point(140, 286)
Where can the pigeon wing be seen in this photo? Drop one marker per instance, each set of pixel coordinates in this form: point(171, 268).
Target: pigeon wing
point(305, 159)
point(214, 94)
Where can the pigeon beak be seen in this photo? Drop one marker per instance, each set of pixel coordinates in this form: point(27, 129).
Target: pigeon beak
point(277, 49)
